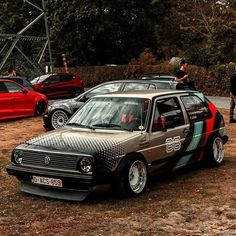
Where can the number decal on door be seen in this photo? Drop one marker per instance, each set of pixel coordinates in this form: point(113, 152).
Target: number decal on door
point(173, 144)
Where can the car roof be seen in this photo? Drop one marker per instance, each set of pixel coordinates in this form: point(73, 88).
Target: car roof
point(12, 77)
point(158, 76)
point(149, 81)
point(145, 93)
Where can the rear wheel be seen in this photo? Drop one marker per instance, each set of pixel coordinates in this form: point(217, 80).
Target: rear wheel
point(216, 151)
point(40, 108)
point(59, 118)
point(132, 177)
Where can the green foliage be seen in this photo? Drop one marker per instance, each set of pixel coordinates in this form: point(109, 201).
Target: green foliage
point(113, 32)
point(102, 32)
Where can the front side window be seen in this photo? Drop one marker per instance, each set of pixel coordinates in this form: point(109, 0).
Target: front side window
point(113, 113)
point(195, 107)
point(12, 88)
point(40, 79)
point(108, 88)
point(169, 110)
point(53, 79)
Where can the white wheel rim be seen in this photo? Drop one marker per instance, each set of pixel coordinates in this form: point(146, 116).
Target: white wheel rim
point(58, 119)
point(218, 150)
point(137, 176)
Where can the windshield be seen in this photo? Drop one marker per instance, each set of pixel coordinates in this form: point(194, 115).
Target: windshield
point(39, 79)
point(112, 113)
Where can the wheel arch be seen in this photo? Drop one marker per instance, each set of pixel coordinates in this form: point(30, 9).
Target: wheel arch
point(128, 156)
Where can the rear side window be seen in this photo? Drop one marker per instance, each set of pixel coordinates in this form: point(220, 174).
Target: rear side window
point(65, 78)
point(138, 86)
point(163, 85)
point(195, 107)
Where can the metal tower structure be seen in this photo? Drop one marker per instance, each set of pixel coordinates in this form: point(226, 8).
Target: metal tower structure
point(11, 42)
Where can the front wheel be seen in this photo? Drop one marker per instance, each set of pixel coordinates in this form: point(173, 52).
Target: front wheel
point(59, 118)
point(132, 177)
point(216, 151)
point(40, 108)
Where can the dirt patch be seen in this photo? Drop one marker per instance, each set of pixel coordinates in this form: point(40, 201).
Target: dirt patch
point(200, 201)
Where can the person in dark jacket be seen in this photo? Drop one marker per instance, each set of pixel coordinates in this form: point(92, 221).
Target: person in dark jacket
point(181, 75)
point(182, 78)
point(233, 98)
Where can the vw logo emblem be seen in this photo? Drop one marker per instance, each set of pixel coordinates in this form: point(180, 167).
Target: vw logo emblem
point(47, 160)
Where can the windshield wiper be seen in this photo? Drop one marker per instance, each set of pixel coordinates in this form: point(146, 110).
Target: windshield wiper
point(79, 125)
point(110, 125)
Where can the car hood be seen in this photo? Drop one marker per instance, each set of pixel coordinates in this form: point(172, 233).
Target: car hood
point(71, 103)
point(89, 142)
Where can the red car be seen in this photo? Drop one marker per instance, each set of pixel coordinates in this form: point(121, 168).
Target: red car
point(58, 85)
point(17, 101)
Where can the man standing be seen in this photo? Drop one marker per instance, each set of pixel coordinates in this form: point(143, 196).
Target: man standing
point(181, 75)
point(233, 98)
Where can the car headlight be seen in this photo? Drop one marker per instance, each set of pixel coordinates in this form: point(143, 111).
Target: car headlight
point(18, 156)
point(86, 164)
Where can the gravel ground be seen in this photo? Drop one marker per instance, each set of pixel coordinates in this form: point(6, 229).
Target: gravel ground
point(197, 201)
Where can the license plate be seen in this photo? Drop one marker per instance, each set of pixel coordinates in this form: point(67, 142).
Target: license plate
point(47, 181)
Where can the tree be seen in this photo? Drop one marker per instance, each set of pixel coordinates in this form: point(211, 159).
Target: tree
point(201, 30)
point(102, 32)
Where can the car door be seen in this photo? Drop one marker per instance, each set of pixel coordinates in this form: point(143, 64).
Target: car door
point(67, 86)
point(168, 133)
point(198, 114)
point(53, 87)
point(22, 103)
point(6, 102)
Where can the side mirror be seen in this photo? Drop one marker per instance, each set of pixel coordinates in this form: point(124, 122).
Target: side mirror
point(46, 83)
point(24, 91)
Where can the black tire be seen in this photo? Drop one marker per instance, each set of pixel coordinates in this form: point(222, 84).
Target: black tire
point(40, 108)
point(131, 177)
point(215, 151)
point(58, 118)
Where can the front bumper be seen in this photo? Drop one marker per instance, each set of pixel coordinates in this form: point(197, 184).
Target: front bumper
point(76, 187)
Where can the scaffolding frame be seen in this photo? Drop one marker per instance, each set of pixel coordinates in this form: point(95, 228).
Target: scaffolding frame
point(13, 39)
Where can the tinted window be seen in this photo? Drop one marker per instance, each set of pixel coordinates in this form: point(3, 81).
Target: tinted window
point(53, 79)
point(171, 110)
point(163, 85)
point(3, 88)
point(135, 86)
point(12, 88)
point(195, 107)
point(108, 88)
point(65, 78)
point(23, 82)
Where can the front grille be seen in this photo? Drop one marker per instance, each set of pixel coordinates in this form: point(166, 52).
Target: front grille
point(50, 160)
